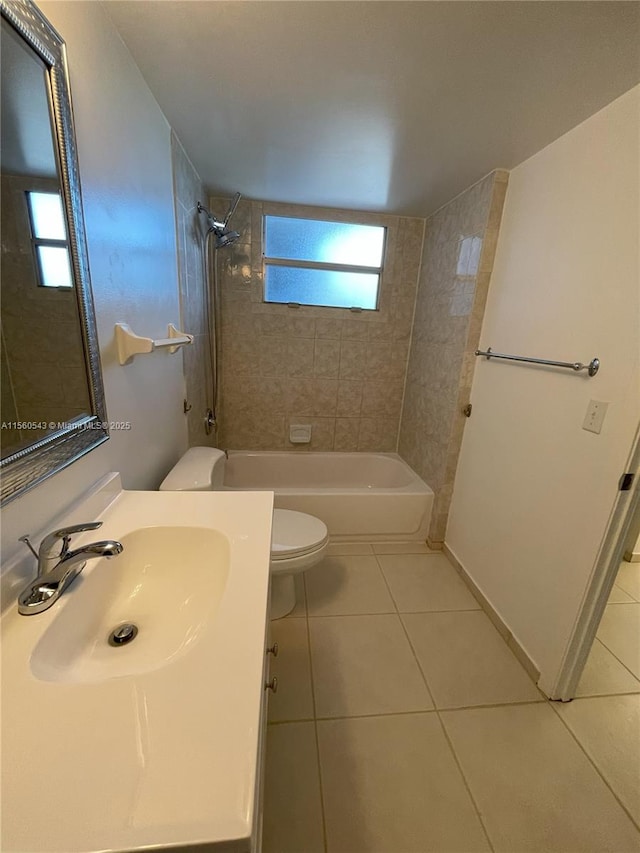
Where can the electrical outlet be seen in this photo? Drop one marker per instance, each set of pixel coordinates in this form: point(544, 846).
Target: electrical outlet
point(596, 410)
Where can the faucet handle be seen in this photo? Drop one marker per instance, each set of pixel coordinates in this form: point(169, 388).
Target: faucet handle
point(65, 533)
point(76, 528)
point(27, 541)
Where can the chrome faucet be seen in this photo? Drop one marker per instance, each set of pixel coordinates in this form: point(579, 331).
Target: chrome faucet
point(57, 568)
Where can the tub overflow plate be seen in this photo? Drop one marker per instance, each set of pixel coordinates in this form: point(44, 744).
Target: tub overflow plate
point(123, 634)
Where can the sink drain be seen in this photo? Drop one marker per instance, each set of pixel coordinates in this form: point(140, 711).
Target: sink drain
point(123, 634)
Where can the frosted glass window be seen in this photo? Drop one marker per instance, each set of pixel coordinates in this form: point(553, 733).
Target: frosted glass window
point(49, 238)
point(310, 286)
point(47, 216)
point(55, 269)
point(326, 242)
point(316, 262)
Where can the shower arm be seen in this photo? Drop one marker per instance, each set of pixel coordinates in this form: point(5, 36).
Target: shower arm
point(215, 224)
point(232, 209)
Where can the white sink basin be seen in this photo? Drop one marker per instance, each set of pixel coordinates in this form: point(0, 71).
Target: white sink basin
point(155, 743)
point(168, 582)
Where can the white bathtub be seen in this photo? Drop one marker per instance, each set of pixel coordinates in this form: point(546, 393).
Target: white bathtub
point(359, 496)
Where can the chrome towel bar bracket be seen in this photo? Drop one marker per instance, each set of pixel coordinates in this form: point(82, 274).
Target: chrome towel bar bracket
point(591, 368)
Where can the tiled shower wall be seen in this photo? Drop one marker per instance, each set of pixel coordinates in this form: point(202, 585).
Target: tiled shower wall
point(459, 248)
point(190, 237)
point(342, 372)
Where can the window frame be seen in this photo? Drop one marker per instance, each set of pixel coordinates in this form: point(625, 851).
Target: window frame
point(321, 265)
point(47, 241)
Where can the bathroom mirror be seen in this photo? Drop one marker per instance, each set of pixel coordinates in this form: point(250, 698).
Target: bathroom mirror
point(52, 401)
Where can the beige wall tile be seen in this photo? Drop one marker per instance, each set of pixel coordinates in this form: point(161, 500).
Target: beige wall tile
point(302, 327)
point(299, 357)
point(457, 260)
point(326, 358)
point(325, 397)
point(320, 355)
point(273, 355)
point(349, 403)
point(346, 436)
point(355, 330)
point(328, 328)
point(353, 359)
point(381, 398)
point(378, 434)
point(300, 399)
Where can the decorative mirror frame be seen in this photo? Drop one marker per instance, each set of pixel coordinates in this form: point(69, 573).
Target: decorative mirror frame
point(28, 467)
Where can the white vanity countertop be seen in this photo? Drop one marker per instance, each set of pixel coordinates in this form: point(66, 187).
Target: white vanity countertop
point(163, 757)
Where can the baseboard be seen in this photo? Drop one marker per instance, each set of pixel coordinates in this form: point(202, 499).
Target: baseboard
point(434, 544)
point(632, 556)
point(494, 616)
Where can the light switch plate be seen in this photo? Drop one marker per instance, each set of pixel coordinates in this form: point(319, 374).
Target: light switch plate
point(596, 410)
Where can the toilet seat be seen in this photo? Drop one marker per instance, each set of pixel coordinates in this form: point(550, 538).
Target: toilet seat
point(296, 534)
point(298, 542)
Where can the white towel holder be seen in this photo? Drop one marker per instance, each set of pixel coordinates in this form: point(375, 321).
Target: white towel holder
point(129, 344)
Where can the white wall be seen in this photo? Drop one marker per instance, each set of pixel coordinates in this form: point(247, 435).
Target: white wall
point(125, 167)
point(533, 490)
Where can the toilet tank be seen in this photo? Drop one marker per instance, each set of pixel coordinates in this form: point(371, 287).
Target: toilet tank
point(201, 469)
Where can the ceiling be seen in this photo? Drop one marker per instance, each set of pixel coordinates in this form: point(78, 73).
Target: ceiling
point(389, 106)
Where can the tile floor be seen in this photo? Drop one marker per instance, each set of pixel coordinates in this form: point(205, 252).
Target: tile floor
point(404, 724)
point(613, 665)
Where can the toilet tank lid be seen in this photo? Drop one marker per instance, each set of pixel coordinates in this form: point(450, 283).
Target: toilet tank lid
point(194, 471)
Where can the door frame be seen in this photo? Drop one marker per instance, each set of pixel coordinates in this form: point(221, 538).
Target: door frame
point(623, 522)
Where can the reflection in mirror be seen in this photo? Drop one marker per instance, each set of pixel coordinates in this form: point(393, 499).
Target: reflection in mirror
point(44, 379)
point(51, 393)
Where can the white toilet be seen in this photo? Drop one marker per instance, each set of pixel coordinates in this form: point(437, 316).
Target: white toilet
point(298, 540)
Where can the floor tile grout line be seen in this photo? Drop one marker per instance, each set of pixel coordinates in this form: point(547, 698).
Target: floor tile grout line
point(591, 761)
point(476, 609)
point(315, 719)
point(386, 583)
point(423, 673)
point(433, 710)
point(630, 594)
point(441, 711)
point(621, 662)
point(426, 682)
point(417, 660)
point(634, 600)
point(404, 629)
point(465, 781)
point(389, 613)
point(603, 695)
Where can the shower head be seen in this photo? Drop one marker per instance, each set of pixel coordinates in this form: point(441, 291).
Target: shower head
point(224, 237)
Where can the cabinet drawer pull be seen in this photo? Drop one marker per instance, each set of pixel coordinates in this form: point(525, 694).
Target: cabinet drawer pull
point(273, 650)
point(272, 685)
